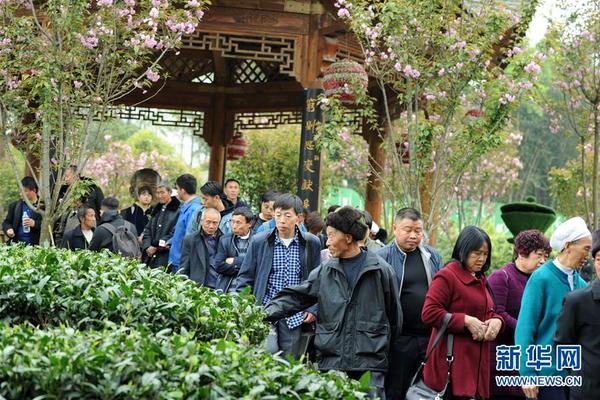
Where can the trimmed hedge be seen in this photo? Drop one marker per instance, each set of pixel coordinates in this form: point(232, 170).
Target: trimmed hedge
point(62, 363)
point(84, 290)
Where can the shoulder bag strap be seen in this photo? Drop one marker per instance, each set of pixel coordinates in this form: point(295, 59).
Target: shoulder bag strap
point(440, 333)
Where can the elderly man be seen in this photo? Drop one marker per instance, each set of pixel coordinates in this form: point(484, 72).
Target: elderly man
point(199, 250)
point(543, 298)
point(81, 236)
point(415, 265)
point(578, 324)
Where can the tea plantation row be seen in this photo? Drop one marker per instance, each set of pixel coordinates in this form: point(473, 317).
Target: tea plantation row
point(98, 326)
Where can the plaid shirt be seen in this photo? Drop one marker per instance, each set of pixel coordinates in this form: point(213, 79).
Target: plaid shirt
point(285, 272)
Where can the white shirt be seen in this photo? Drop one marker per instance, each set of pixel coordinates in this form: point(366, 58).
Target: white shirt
point(286, 242)
point(88, 235)
point(567, 271)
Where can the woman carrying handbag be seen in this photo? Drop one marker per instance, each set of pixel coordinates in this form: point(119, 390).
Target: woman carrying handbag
point(460, 289)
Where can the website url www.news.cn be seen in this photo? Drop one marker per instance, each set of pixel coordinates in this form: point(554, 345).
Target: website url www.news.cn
point(568, 381)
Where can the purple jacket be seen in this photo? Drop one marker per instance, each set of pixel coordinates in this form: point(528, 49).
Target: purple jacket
point(507, 285)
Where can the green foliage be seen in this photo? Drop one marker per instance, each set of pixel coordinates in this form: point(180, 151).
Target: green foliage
point(9, 189)
point(502, 251)
point(62, 363)
point(271, 162)
point(566, 187)
point(49, 287)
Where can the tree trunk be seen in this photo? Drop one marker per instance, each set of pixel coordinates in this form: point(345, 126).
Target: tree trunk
point(595, 169)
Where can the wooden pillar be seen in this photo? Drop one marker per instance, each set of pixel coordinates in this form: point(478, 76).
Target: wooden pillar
point(309, 167)
point(374, 197)
point(218, 131)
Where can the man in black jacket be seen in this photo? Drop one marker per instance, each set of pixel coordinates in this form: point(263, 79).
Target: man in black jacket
point(22, 224)
point(103, 237)
point(81, 236)
point(357, 292)
point(233, 248)
point(199, 250)
point(161, 227)
point(94, 195)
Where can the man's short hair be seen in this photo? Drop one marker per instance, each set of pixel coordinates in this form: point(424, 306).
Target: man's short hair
point(288, 201)
point(110, 203)
point(82, 211)
point(210, 210)
point(368, 219)
point(271, 195)
point(408, 213)
point(187, 182)
point(348, 220)
point(232, 180)
point(245, 212)
point(212, 188)
point(166, 185)
point(29, 183)
point(314, 222)
point(144, 189)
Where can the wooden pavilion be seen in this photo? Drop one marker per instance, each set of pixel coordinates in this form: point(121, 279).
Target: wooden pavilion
point(256, 64)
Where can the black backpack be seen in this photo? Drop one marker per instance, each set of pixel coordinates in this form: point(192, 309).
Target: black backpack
point(124, 241)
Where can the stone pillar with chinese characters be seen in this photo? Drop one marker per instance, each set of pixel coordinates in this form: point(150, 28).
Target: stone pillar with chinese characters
point(309, 168)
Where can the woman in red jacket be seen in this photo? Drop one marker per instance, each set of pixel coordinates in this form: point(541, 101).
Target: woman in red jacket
point(460, 288)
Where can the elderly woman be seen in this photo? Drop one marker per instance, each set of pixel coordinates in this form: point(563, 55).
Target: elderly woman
point(460, 288)
point(507, 284)
point(543, 298)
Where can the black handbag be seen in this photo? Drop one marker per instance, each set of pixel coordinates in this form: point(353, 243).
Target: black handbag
point(418, 390)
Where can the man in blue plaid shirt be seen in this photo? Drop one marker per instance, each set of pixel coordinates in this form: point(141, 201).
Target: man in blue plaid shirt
point(279, 258)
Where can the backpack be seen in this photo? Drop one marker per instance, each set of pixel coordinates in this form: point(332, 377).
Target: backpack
point(124, 241)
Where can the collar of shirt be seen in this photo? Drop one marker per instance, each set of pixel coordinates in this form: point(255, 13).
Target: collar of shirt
point(278, 240)
point(565, 269)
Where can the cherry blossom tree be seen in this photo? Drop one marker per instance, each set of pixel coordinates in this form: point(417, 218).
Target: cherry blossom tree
point(574, 51)
point(453, 71)
point(62, 63)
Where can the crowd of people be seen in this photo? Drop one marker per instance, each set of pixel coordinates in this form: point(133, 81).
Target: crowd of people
point(336, 292)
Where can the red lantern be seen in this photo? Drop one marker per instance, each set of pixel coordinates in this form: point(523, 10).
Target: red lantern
point(339, 78)
point(474, 113)
point(236, 149)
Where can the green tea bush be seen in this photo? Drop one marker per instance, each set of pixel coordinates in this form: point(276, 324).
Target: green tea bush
point(84, 290)
point(122, 363)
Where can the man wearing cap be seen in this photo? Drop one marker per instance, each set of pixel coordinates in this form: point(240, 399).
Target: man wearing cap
point(543, 298)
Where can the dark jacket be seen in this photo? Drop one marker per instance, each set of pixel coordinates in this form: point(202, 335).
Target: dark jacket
point(195, 258)
point(579, 324)
point(228, 272)
point(394, 256)
point(102, 238)
point(14, 219)
point(74, 239)
point(258, 262)
point(160, 227)
point(137, 216)
point(355, 326)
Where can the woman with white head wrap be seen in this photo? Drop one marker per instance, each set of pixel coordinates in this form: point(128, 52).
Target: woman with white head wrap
point(543, 298)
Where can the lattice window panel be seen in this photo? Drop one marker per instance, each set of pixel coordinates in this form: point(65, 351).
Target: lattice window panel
point(186, 69)
point(271, 120)
point(258, 48)
point(174, 118)
point(248, 71)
